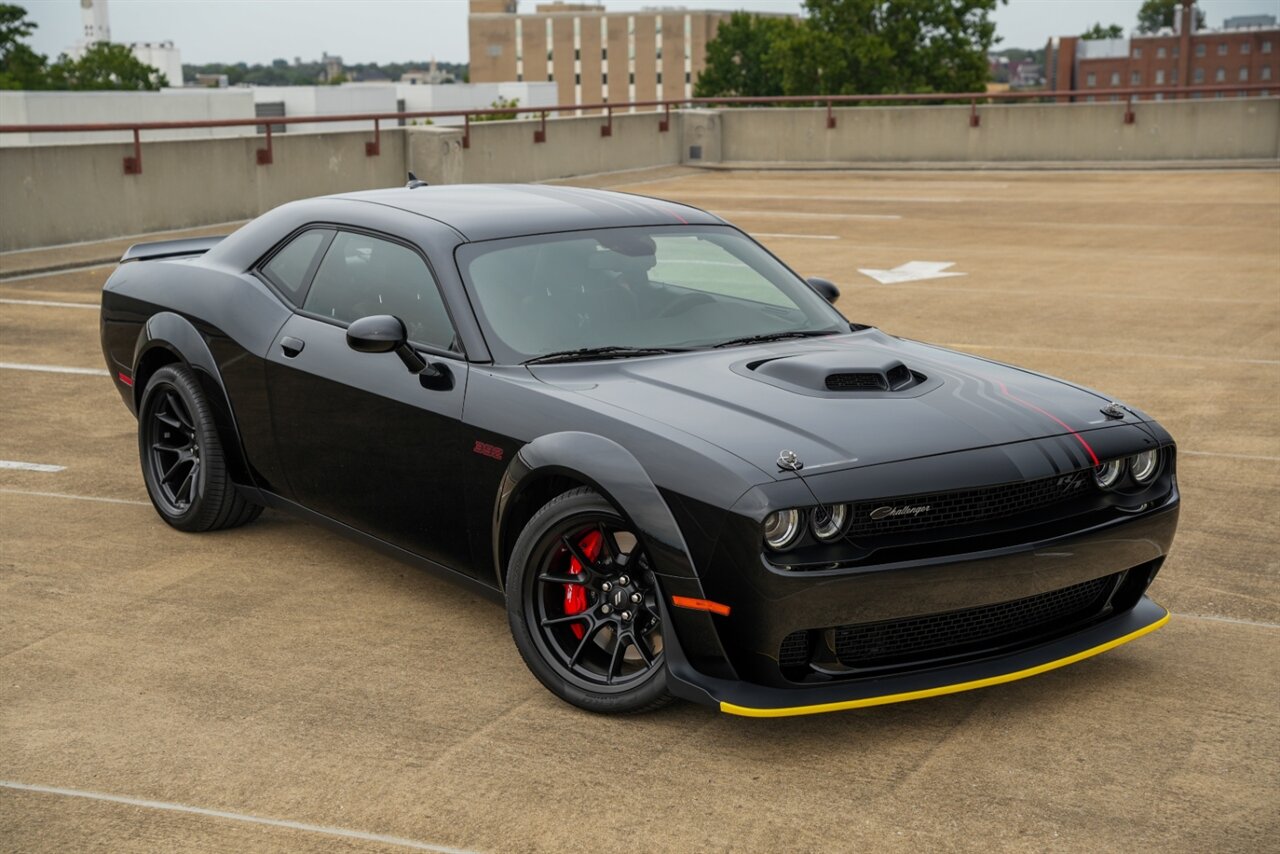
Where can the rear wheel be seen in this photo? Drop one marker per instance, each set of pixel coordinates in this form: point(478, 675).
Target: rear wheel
point(582, 603)
point(182, 456)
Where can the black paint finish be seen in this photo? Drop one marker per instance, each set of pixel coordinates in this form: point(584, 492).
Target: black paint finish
point(444, 466)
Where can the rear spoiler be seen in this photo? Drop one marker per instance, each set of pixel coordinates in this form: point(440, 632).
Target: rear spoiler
point(169, 248)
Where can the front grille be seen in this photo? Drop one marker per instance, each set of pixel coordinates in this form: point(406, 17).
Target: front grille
point(876, 644)
point(855, 382)
point(965, 507)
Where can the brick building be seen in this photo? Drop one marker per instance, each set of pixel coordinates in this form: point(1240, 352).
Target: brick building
point(592, 55)
point(1179, 58)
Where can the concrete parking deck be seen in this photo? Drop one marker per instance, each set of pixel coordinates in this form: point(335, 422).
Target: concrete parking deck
point(276, 673)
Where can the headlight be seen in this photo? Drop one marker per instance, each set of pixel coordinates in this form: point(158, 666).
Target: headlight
point(781, 529)
point(1108, 474)
point(1144, 466)
point(832, 524)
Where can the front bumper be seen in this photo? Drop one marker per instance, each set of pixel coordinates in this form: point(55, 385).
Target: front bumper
point(743, 698)
point(732, 662)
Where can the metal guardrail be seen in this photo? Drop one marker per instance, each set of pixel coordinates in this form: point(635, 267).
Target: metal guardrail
point(373, 148)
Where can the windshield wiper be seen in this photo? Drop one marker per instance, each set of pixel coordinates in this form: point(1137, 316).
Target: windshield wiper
point(587, 353)
point(773, 336)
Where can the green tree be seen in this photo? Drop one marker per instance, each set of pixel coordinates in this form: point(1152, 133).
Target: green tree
point(105, 66)
point(1097, 31)
point(1157, 14)
point(499, 103)
point(852, 47)
point(20, 66)
point(745, 57)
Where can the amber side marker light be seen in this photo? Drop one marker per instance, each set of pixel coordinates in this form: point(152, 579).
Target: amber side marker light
point(700, 605)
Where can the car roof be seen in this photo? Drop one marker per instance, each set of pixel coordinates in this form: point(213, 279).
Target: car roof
point(491, 211)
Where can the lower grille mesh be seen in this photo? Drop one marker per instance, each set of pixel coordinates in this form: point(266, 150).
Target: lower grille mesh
point(871, 644)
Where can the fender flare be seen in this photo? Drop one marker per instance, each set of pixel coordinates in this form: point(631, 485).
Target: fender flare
point(176, 335)
point(611, 470)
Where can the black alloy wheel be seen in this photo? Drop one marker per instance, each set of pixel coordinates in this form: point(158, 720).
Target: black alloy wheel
point(583, 607)
point(182, 457)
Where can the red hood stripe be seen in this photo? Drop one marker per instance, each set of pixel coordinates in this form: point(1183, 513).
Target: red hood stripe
point(1029, 405)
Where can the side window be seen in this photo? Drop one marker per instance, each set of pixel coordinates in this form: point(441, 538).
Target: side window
point(362, 275)
point(289, 267)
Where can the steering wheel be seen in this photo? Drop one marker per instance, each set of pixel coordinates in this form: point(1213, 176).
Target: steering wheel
point(684, 303)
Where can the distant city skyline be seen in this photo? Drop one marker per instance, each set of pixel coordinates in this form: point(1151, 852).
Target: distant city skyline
point(362, 31)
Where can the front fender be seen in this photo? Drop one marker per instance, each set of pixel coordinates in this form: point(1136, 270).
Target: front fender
point(612, 471)
point(617, 475)
point(167, 336)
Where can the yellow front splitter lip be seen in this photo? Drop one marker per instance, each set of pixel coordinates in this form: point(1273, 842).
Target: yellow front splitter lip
point(938, 691)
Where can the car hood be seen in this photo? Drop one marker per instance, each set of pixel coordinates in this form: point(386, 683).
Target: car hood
point(756, 401)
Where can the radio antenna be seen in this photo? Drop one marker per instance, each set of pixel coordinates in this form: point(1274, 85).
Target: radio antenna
point(790, 461)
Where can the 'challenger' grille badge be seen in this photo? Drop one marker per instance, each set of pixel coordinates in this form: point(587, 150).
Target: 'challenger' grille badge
point(894, 512)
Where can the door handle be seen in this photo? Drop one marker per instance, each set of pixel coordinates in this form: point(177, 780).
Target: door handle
point(291, 346)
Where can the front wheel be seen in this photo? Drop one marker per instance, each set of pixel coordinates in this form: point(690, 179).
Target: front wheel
point(582, 603)
point(182, 457)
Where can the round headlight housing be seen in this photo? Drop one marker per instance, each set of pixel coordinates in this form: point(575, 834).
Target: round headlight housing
point(1144, 466)
point(781, 529)
point(1108, 474)
point(831, 524)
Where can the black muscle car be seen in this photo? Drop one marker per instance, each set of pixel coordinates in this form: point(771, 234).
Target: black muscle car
point(682, 469)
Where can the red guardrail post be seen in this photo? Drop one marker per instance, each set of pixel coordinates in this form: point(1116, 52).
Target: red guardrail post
point(664, 124)
point(1129, 117)
point(466, 130)
point(831, 117)
point(133, 165)
point(265, 155)
point(540, 135)
point(607, 129)
point(373, 149)
point(974, 118)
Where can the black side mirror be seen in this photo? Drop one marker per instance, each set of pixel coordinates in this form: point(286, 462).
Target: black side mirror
point(383, 333)
point(827, 290)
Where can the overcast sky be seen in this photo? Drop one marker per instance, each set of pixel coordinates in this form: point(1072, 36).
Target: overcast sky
point(415, 30)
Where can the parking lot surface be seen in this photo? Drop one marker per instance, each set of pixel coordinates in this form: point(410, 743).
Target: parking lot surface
point(278, 688)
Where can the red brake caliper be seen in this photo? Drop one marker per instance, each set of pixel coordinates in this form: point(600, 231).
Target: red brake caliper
point(575, 595)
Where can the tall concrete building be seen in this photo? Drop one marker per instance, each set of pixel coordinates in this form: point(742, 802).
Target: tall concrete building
point(593, 56)
point(1183, 56)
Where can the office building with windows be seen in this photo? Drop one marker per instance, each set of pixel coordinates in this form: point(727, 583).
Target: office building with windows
point(592, 56)
point(1177, 58)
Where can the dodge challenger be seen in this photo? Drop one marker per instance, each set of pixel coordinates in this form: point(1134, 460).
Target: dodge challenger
point(681, 468)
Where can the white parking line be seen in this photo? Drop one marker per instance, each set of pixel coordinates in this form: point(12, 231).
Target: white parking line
point(852, 197)
point(50, 303)
point(807, 214)
point(234, 816)
point(1127, 355)
point(1262, 457)
point(15, 464)
point(73, 497)
point(795, 236)
point(54, 369)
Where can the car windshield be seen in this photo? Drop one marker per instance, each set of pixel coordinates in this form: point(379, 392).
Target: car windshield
point(653, 288)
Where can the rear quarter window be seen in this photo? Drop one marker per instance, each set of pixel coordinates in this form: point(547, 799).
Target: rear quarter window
point(290, 268)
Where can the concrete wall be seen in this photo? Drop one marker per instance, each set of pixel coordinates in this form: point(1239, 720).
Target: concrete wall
point(66, 193)
point(504, 151)
point(328, 101)
point(1216, 129)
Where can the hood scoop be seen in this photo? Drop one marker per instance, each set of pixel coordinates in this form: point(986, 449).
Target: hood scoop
point(830, 374)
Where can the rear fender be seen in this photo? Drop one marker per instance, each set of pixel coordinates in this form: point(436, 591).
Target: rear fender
point(168, 337)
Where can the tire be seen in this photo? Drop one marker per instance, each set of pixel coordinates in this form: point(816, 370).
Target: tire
point(609, 659)
point(183, 464)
